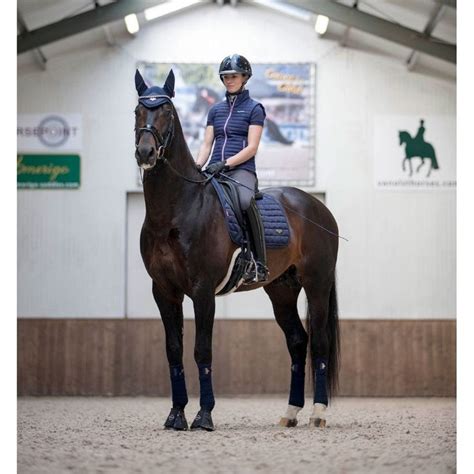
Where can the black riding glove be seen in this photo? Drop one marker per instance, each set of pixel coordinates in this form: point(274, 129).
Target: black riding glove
point(216, 168)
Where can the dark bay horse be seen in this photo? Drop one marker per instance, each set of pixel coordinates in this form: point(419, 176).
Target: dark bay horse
point(187, 250)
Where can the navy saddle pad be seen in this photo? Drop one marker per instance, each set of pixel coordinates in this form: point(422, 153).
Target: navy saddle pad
point(277, 231)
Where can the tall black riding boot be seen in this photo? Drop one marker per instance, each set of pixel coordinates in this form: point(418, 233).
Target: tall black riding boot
point(258, 236)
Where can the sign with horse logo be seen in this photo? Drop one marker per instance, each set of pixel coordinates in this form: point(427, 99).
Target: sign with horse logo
point(415, 152)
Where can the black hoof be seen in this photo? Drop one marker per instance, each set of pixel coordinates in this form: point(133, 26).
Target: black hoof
point(176, 420)
point(203, 421)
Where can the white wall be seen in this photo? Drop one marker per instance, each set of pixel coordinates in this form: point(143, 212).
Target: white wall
point(71, 244)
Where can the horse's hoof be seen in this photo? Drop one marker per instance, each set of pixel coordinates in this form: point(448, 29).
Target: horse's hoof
point(317, 423)
point(288, 422)
point(176, 420)
point(203, 421)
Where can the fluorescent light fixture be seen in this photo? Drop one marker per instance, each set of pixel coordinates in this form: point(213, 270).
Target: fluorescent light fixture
point(295, 12)
point(321, 25)
point(131, 22)
point(168, 7)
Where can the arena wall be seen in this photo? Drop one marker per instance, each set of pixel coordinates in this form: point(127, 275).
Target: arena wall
point(127, 357)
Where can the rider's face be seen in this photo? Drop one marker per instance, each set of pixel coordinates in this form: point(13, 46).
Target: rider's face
point(233, 82)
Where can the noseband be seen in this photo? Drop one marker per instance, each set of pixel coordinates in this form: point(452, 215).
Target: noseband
point(161, 144)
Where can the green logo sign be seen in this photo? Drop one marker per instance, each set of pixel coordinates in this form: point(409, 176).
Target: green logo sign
point(418, 148)
point(48, 171)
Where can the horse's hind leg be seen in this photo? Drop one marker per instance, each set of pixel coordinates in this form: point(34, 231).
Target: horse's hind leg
point(172, 316)
point(284, 295)
point(421, 164)
point(431, 167)
point(324, 342)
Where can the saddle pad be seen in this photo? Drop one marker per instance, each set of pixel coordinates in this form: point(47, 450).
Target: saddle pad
point(275, 223)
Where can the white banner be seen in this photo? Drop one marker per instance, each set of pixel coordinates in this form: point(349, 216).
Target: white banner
point(415, 152)
point(49, 133)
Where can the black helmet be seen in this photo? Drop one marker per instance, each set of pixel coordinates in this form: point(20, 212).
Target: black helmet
point(235, 64)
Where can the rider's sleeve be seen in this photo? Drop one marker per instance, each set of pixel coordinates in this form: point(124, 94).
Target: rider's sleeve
point(258, 115)
point(210, 116)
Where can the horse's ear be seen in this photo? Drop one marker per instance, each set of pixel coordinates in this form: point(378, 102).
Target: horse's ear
point(169, 84)
point(140, 83)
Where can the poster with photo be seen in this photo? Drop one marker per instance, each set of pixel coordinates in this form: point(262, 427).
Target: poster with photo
point(286, 155)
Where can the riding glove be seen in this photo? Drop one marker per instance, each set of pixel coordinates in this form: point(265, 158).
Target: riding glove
point(216, 168)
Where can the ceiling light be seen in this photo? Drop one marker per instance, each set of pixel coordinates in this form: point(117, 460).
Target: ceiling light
point(321, 25)
point(287, 9)
point(131, 22)
point(169, 7)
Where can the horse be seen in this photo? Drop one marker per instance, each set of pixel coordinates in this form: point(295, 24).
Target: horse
point(415, 148)
point(186, 250)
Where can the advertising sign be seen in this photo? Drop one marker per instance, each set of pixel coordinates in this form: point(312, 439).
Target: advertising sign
point(48, 171)
point(415, 152)
point(49, 133)
point(286, 155)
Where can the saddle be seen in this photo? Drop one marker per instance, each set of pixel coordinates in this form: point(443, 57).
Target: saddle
point(275, 223)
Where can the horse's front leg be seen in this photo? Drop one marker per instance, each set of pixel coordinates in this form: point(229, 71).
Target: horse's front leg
point(204, 308)
point(172, 317)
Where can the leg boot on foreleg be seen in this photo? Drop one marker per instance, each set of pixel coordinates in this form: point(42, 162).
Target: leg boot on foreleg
point(172, 317)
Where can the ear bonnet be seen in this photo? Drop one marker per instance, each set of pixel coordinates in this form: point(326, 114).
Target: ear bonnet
point(152, 97)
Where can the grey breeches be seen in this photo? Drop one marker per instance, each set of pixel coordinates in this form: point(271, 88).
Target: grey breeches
point(248, 179)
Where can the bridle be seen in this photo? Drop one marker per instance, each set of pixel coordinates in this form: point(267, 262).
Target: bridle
point(161, 144)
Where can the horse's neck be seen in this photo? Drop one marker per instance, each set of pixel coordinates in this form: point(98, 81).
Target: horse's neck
point(406, 137)
point(168, 195)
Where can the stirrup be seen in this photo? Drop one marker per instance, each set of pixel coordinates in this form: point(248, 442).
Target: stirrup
point(250, 270)
point(256, 272)
point(261, 273)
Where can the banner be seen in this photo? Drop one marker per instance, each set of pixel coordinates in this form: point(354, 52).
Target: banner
point(53, 133)
point(286, 155)
point(415, 152)
point(48, 171)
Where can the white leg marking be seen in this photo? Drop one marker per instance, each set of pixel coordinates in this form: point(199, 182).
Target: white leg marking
point(291, 412)
point(319, 411)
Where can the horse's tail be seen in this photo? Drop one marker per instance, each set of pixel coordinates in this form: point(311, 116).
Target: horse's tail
point(332, 332)
point(434, 161)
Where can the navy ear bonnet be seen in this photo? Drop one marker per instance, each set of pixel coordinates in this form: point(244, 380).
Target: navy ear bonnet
point(152, 97)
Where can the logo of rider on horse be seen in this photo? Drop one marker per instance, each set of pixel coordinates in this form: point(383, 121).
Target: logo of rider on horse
point(417, 148)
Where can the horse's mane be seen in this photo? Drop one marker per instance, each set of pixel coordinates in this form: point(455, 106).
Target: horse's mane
point(404, 133)
point(179, 134)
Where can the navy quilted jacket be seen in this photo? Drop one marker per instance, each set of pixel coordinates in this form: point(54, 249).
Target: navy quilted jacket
point(231, 126)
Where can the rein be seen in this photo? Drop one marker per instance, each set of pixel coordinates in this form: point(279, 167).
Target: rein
point(162, 144)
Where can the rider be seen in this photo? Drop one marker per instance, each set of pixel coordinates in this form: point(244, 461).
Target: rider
point(236, 125)
point(421, 131)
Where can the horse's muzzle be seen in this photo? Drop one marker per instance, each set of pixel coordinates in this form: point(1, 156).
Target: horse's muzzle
point(146, 156)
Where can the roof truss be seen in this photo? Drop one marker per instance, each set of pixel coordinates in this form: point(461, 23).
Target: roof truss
point(352, 17)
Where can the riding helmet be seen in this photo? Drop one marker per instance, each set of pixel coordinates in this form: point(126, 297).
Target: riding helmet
point(235, 64)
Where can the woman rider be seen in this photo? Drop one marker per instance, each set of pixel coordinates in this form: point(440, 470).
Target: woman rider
point(234, 127)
